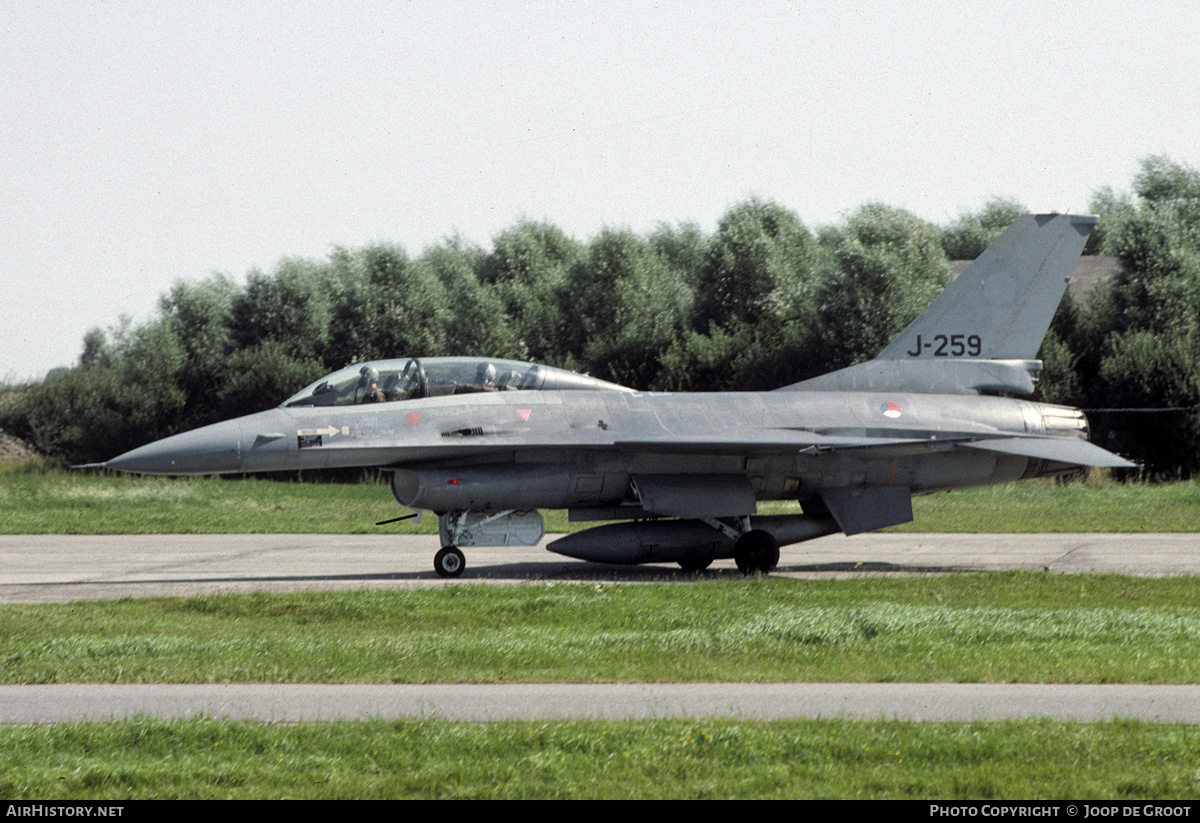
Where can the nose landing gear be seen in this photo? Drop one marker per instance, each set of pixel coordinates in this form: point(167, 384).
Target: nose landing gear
point(449, 562)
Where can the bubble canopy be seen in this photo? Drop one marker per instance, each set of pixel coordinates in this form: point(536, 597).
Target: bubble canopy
point(411, 378)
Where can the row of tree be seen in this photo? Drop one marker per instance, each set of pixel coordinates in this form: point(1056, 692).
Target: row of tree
point(760, 303)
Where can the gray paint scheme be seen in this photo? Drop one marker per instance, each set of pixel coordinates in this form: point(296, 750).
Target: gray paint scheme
point(1007, 296)
point(865, 510)
point(695, 495)
point(983, 332)
point(853, 445)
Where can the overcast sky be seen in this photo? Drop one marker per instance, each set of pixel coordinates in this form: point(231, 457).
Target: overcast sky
point(146, 143)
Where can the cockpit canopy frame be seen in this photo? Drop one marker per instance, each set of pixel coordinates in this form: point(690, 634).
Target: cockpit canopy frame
point(412, 378)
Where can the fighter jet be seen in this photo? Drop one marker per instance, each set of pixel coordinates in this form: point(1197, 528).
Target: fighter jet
point(484, 443)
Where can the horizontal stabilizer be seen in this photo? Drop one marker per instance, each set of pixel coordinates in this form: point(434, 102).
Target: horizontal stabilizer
point(1059, 449)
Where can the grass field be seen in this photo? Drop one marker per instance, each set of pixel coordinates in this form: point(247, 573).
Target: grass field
point(36, 499)
point(1002, 627)
point(601, 759)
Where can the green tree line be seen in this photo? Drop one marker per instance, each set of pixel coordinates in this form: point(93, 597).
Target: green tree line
point(762, 302)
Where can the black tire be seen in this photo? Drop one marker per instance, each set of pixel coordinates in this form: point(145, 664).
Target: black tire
point(695, 565)
point(756, 552)
point(449, 562)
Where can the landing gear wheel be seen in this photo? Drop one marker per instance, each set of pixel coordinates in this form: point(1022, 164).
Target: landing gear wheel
point(449, 562)
point(756, 552)
point(695, 565)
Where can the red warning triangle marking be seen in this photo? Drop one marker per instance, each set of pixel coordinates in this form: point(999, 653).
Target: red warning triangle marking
point(413, 417)
point(524, 414)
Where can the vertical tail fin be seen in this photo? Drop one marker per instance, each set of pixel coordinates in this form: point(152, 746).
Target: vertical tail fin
point(1000, 307)
point(983, 332)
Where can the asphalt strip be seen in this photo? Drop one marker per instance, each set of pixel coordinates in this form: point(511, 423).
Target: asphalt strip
point(937, 702)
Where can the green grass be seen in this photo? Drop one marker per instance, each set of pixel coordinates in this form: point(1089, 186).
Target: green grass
point(36, 499)
point(1000, 627)
point(600, 759)
point(1046, 506)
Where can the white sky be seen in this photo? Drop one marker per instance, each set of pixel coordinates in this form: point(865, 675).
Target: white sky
point(145, 143)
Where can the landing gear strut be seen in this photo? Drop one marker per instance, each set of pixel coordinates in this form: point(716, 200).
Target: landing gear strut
point(449, 562)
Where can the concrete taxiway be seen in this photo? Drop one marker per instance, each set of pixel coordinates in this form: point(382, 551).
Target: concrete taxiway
point(57, 568)
point(938, 702)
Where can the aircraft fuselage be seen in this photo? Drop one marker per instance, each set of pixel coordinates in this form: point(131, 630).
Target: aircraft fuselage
point(592, 442)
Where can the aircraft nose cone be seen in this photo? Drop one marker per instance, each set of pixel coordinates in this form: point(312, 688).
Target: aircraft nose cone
point(214, 449)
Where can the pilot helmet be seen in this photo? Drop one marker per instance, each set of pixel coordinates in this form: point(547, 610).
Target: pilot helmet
point(369, 378)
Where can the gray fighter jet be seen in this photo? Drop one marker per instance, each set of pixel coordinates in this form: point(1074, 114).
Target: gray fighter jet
point(485, 443)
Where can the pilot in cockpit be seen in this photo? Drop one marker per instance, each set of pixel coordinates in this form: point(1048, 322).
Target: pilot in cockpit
point(368, 390)
point(485, 377)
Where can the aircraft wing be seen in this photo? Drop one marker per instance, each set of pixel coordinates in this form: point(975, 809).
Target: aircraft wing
point(764, 441)
point(1059, 449)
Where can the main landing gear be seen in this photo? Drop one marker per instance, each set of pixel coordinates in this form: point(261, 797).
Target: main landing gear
point(756, 552)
